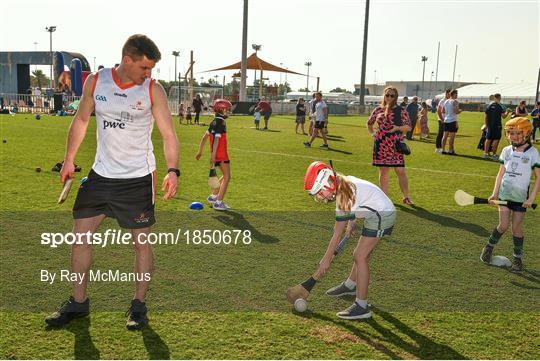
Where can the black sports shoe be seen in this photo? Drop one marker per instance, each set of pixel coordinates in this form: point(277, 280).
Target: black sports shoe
point(69, 310)
point(517, 265)
point(137, 318)
point(341, 290)
point(355, 312)
point(486, 254)
point(307, 144)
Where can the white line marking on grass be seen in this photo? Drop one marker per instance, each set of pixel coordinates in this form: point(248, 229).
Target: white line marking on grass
point(309, 157)
point(353, 162)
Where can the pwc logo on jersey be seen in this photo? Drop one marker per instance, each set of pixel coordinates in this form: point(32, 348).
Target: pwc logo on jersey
point(101, 98)
point(120, 95)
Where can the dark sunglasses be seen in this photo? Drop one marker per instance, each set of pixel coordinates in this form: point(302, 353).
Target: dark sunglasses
point(390, 95)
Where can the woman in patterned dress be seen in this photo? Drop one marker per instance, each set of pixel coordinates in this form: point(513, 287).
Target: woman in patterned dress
point(385, 136)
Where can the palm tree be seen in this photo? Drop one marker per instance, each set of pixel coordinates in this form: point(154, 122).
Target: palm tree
point(37, 78)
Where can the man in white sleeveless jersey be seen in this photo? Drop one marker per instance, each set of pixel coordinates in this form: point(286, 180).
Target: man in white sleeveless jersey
point(122, 181)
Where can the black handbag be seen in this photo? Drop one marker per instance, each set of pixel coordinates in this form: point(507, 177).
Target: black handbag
point(400, 146)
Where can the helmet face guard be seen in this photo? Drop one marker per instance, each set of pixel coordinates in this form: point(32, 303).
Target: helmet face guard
point(320, 176)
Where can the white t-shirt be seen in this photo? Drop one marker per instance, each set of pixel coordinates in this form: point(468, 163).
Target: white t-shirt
point(441, 107)
point(369, 199)
point(449, 115)
point(124, 125)
point(319, 111)
point(257, 115)
point(517, 178)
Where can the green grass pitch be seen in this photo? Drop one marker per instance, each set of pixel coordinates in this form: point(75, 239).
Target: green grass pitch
point(432, 296)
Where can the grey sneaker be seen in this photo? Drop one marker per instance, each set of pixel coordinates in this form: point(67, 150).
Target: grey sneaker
point(355, 312)
point(341, 290)
point(69, 310)
point(517, 265)
point(495, 157)
point(211, 199)
point(486, 254)
point(137, 318)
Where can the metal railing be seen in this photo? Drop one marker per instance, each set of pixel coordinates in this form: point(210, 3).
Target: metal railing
point(27, 103)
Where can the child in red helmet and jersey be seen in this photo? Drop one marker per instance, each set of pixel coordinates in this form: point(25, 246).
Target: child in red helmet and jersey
point(355, 198)
point(217, 132)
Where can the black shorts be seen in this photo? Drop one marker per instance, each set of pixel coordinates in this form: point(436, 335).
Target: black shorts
point(217, 164)
point(494, 132)
point(130, 201)
point(319, 125)
point(514, 207)
point(450, 127)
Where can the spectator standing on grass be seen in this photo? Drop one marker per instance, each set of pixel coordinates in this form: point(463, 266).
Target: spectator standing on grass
point(312, 104)
point(535, 121)
point(300, 115)
point(404, 103)
point(321, 119)
point(197, 107)
point(494, 114)
point(521, 110)
point(424, 128)
point(385, 155)
point(412, 109)
point(450, 112)
point(440, 122)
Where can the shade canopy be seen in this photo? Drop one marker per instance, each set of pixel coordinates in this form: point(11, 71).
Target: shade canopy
point(256, 63)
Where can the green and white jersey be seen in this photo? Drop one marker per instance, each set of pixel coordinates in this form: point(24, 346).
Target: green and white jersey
point(519, 168)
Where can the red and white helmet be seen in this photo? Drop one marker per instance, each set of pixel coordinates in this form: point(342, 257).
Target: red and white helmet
point(222, 106)
point(318, 177)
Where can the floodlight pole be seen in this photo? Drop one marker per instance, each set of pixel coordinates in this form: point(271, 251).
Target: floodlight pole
point(176, 54)
point(424, 59)
point(537, 87)
point(454, 73)
point(364, 57)
point(437, 68)
point(308, 64)
point(243, 66)
point(51, 29)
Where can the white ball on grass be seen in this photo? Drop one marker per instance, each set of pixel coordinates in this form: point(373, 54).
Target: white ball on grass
point(300, 305)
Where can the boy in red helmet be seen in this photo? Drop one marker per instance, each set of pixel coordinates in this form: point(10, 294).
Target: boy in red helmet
point(355, 198)
point(219, 157)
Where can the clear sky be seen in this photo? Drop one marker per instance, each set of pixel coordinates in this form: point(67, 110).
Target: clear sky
point(495, 38)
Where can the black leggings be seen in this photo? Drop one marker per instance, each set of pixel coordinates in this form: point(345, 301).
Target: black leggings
point(197, 116)
point(438, 141)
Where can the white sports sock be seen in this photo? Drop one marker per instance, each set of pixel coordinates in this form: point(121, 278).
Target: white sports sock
point(362, 303)
point(350, 284)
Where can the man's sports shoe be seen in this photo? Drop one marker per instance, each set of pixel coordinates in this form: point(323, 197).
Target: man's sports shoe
point(486, 254)
point(438, 150)
point(69, 310)
point(486, 156)
point(324, 146)
point(211, 199)
point(307, 144)
point(341, 290)
point(517, 265)
point(220, 206)
point(355, 312)
point(495, 157)
point(137, 318)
